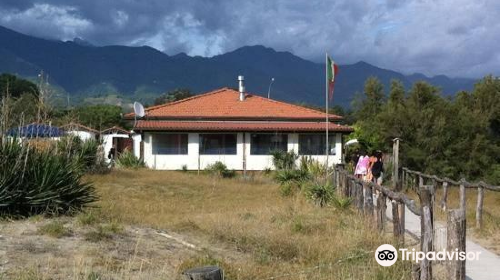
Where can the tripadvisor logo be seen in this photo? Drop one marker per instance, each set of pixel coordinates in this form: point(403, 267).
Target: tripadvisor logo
point(386, 255)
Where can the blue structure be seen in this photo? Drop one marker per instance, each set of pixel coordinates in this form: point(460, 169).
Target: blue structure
point(36, 130)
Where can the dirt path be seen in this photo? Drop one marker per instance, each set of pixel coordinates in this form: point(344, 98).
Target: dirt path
point(89, 252)
point(486, 268)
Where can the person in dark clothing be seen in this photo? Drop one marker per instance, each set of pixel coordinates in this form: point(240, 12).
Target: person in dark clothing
point(111, 154)
point(377, 168)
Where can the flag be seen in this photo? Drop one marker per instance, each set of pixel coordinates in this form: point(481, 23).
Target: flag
point(331, 72)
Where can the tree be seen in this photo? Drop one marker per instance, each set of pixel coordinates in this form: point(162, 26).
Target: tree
point(99, 116)
point(456, 138)
point(366, 111)
point(16, 86)
point(19, 102)
point(173, 95)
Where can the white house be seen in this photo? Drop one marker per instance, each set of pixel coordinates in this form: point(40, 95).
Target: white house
point(117, 138)
point(83, 132)
point(236, 128)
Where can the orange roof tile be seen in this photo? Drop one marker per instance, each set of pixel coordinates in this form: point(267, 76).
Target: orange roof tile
point(115, 129)
point(238, 126)
point(76, 126)
point(225, 104)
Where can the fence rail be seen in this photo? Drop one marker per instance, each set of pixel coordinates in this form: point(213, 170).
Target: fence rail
point(480, 184)
point(446, 182)
point(371, 200)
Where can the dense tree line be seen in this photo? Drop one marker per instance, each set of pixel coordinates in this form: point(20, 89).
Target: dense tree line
point(451, 136)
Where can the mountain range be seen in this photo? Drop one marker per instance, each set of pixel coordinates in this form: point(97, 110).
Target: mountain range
point(81, 69)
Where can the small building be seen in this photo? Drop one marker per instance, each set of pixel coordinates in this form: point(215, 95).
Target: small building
point(83, 132)
point(239, 129)
point(115, 140)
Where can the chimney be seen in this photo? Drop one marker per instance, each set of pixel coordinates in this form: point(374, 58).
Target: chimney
point(241, 87)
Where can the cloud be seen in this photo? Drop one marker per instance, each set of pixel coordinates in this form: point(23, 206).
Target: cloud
point(453, 37)
point(41, 18)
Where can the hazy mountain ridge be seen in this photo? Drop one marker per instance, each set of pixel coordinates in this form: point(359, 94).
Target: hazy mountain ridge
point(81, 68)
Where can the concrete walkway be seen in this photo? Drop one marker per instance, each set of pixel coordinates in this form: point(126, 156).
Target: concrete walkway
point(486, 268)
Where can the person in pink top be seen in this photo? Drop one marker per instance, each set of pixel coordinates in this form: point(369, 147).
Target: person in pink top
point(362, 165)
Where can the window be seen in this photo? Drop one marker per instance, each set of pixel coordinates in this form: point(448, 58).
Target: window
point(217, 144)
point(314, 144)
point(264, 144)
point(170, 144)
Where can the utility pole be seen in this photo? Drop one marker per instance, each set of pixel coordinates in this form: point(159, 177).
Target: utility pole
point(269, 90)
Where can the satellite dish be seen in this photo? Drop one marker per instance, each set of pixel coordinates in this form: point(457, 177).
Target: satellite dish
point(139, 110)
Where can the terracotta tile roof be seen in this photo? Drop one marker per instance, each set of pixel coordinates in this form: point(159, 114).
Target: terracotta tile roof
point(224, 104)
point(238, 126)
point(115, 129)
point(77, 126)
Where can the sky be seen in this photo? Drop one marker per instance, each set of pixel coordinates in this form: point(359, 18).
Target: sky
point(458, 38)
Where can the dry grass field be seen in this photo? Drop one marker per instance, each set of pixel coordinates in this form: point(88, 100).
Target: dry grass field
point(243, 225)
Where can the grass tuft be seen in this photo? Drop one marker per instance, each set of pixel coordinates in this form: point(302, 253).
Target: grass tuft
point(54, 229)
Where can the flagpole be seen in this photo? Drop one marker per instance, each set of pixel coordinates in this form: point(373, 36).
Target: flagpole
point(326, 102)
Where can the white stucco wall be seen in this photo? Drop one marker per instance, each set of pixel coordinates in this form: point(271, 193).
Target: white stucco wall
point(107, 142)
point(193, 160)
point(82, 134)
point(136, 140)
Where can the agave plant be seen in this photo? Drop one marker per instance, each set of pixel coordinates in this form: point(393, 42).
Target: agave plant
point(39, 181)
point(321, 194)
point(341, 203)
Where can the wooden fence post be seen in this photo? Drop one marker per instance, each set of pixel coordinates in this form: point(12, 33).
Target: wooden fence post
point(334, 175)
point(395, 220)
point(402, 228)
point(403, 182)
point(381, 208)
point(444, 201)
point(456, 231)
point(368, 201)
point(462, 197)
point(427, 231)
point(360, 201)
point(479, 207)
point(395, 172)
point(348, 189)
point(203, 273)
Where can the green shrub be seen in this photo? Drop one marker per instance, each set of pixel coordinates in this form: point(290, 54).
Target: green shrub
point(35, 181)
point(284, 160)
point(341, 203)
point(128, 160)
point(220, 170)
point(287, 189)
point(321, 194)
point(291, 175)
point(184, 168)
point(313, 167)
point(88, 154)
